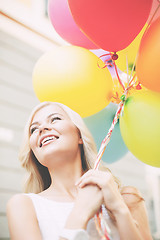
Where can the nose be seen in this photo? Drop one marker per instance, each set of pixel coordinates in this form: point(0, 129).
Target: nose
point(44, 127)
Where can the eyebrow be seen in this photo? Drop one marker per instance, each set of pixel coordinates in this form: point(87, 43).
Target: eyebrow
point(50, 115)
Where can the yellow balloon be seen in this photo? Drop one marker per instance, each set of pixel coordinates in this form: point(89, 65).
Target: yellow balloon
point(129, 54)
point(71, 75)
point(140, 126)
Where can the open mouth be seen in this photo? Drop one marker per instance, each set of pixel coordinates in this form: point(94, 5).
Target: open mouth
point(47, 140)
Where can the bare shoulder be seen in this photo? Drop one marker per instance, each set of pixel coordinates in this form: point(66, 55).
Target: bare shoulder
point(19, 201)
point(20, 197)
point(22, 220)
point(20, 206)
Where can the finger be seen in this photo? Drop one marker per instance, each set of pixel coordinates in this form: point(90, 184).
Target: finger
point(103, 177)
point(90, 180)
point(87, 174)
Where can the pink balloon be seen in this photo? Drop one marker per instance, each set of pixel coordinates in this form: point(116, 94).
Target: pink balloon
point(155, 4)
point(65, 26)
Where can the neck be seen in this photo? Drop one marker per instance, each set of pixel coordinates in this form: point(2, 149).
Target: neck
point(64, 178)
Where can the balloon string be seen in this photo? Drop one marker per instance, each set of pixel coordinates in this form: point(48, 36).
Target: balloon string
point(116, 117)
point(152, 17)
point(99, 156)
point(103, 146)
point(113, 62)
point(106, 54)
point(99, 221)
point(132, 81)
point(105, 61)
point(107, 138)
point(118, 75)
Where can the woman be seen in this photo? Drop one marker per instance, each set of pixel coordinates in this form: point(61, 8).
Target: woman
point(64, 193)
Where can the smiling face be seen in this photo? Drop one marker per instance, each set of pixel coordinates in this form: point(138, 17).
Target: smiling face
point(53, 137)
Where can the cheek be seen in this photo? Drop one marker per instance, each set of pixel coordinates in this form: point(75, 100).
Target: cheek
point(32, 142)
point(74, 134)
point(33, 147)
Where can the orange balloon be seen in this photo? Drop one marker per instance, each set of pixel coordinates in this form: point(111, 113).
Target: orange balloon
point(148, 61)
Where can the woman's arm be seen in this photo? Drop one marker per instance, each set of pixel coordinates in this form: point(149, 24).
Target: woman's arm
point(22, 219)
point(114, 202)
point(88, 202)
point(136, 205)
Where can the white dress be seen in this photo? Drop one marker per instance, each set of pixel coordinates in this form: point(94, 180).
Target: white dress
point(52, 215)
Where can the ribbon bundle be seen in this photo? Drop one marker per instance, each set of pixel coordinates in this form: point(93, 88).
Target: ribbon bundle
point(101, 224)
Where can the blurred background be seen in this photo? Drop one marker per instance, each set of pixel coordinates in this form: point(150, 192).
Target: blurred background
point(26, 33)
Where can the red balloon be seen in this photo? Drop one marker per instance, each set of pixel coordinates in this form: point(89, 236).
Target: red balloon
point(110, 24)
point(65, 26)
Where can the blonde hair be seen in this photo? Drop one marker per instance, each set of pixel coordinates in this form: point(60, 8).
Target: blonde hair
point(38, 178)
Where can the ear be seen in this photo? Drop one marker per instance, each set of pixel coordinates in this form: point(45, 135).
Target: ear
point(80, 141)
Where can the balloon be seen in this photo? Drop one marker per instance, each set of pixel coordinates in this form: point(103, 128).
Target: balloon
point(111, 25)
point(99, 124)
point(128, 55)
point(70, 75)
point(140, 126)
point(155, 5)
point(65, 26)
point(148, 61)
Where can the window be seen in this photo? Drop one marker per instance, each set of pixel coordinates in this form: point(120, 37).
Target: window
point(46, 8)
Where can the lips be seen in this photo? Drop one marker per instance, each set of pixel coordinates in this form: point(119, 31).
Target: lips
point(47, 139)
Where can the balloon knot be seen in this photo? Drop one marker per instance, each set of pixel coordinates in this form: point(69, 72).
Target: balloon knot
point(138, 87)
point(114, 56)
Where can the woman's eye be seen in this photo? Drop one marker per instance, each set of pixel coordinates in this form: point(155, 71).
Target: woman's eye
point(33, 130)
point(55, 118)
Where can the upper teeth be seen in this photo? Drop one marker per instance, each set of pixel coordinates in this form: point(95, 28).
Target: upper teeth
point(47, 139)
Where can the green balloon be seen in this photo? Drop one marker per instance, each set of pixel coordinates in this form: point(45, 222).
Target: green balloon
point(140, 126)
point(99, 125)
